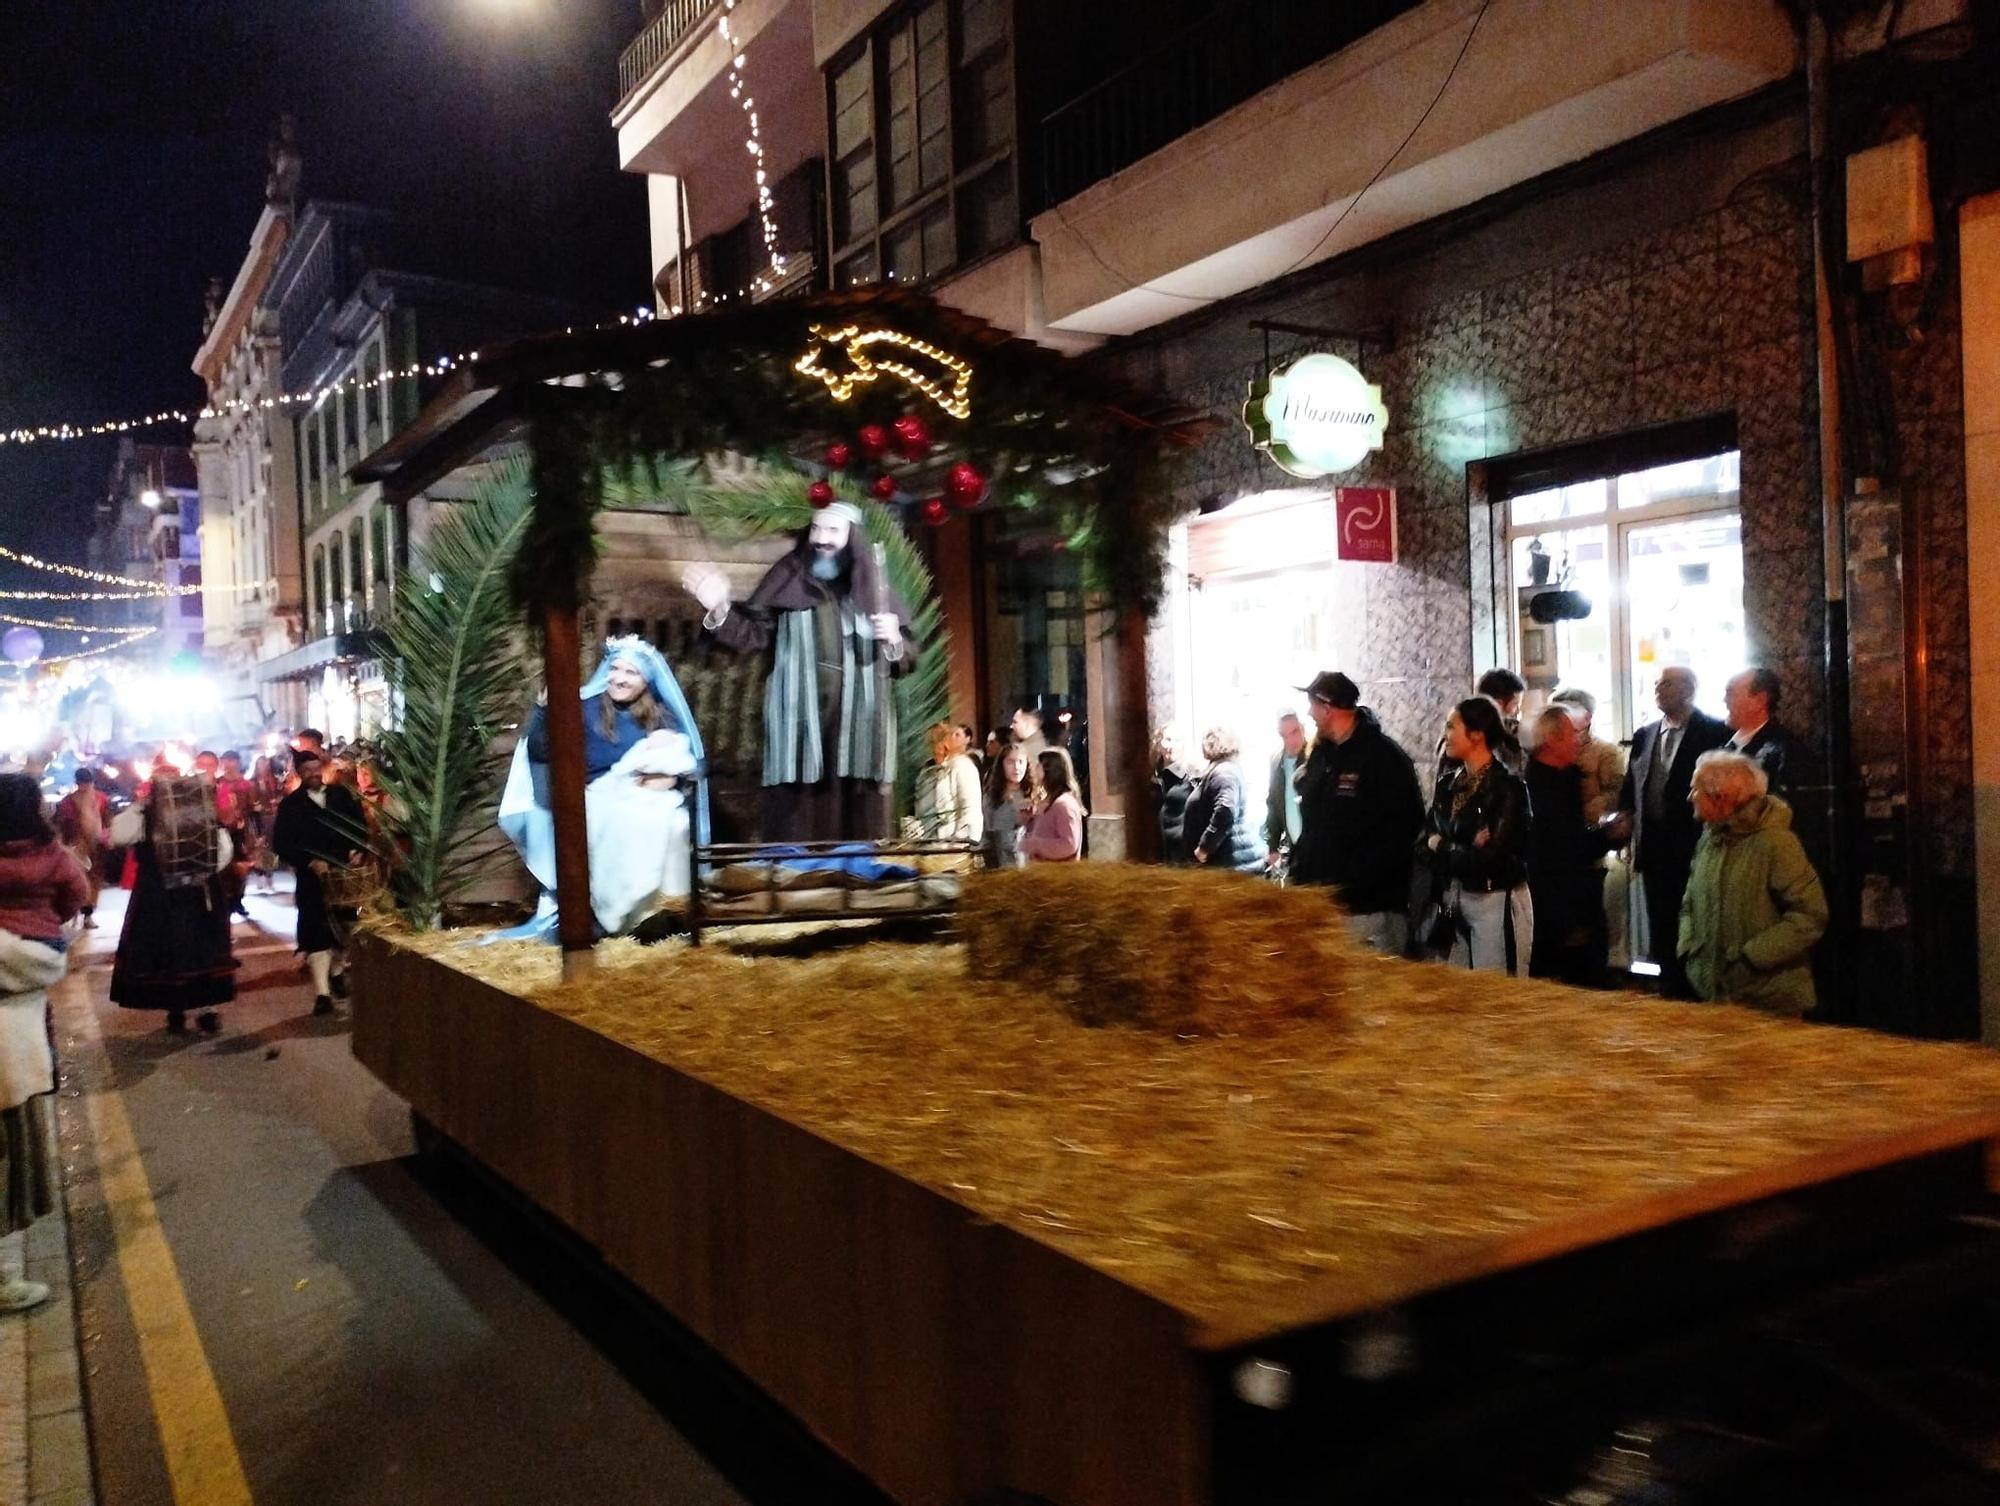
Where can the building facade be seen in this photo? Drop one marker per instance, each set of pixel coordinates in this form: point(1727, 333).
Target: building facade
point(357, 332)
point(253, 599)
point(1637, 331)
point(148, 527)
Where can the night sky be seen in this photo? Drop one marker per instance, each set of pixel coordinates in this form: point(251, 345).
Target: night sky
point(132, 163)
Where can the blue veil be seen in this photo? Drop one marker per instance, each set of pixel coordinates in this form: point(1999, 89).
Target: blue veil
point(524, 805)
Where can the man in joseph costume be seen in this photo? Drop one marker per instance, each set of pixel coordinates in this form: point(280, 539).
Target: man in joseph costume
point(839, 637)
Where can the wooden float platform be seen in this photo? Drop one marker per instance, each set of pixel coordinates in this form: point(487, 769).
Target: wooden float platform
point(956, 1344)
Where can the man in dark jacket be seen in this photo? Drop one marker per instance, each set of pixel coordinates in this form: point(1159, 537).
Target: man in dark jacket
point(1565, 859)
point(1654, 814)
point(1751, 703)
point(319, 827)
point(1360, 811)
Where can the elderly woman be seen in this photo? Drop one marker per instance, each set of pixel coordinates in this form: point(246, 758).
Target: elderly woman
point(1753, 906)
point(1220, 830)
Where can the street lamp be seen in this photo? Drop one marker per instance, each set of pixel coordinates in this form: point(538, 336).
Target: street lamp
point(150, 498)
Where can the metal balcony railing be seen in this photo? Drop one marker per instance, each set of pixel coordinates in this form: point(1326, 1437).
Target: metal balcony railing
point(1235, 52)
point(656, 43)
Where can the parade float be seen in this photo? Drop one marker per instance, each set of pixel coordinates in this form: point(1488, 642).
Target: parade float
point(1115, 1185)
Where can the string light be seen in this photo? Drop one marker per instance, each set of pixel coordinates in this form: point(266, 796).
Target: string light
point(86, 595)
point(862, 368)
point(84, 628)
point(140, 588)
point(754, 144)
point(92, 653)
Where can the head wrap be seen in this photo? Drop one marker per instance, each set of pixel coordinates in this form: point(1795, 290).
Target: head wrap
point(524, 805)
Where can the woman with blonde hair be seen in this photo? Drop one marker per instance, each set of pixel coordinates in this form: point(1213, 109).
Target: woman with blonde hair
point(1220, 832)
point(1054, 833)
point(949, 806)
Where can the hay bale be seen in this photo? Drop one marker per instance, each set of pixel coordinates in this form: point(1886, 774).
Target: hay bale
point(1181, 951)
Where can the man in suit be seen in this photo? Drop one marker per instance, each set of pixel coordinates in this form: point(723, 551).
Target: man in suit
point(1654, 814)
point(1751, 701)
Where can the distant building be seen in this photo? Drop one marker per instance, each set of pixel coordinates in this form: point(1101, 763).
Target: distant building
point(148, 527)
point(254, 592)
point(352, 320)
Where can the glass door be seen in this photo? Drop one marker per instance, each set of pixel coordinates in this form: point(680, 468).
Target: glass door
point(1684, 603)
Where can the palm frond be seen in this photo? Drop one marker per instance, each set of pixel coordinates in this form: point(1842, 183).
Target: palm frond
point(460, 668)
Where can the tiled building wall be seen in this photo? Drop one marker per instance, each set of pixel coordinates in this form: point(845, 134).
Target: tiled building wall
point(1680, 288)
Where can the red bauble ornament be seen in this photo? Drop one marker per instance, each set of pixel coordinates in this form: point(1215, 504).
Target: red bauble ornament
point(820, 494)
point(838, 454)
point(884, 487)
point(873, 440)
point(913, 437)
point(964, 486)
point(934, 510)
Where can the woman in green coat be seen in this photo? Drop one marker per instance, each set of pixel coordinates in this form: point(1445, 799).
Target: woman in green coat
point(1754, 906)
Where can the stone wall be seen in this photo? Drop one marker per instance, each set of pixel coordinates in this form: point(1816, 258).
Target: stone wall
point(1673, 288)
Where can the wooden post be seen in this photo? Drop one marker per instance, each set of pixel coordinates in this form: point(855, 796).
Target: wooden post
point(562, 673)
point(1134, 741)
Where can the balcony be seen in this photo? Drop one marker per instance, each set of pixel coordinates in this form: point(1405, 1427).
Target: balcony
point(662, 37)
point(1238, 50)
point(1366, 141)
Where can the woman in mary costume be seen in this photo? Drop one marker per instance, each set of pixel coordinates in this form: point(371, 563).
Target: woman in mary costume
point(640, 745)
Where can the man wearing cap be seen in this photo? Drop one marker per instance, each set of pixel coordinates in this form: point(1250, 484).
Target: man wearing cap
point(1359, 814)
point(838, 638)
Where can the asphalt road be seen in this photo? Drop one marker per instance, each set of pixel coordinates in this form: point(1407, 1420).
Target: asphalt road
point(282, 1303)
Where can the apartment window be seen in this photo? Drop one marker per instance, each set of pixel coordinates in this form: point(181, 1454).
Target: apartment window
point(372, 433)
point(1658, 552)
point(335, 590)
point(357, 570)
point(921, 115)
point(323, 587)
point(310, 429)
point(378, 543)
point(350, 412)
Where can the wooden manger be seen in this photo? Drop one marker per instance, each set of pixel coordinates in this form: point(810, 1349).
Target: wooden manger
point(978, 1246)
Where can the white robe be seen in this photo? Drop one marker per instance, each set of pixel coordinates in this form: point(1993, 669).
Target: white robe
point(639, 844)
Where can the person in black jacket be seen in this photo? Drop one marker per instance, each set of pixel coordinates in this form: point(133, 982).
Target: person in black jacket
point(1360, 810)
point(1476, 847)
point(1565, 859)
point(1220, 831)
point(1655, 817)
point(1750, 701)
point(1173, 782)
point(319, 826)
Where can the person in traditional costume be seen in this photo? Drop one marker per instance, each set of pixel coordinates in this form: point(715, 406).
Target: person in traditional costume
point(839, 637)
point(320, 827)
point(42, 888)
point(82, 817)
point(174, 953)
point(641, 751)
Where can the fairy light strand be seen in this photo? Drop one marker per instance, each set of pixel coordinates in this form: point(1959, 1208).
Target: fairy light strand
point(92, 653)
point(86, 628)
point(88, 595)
point(754, 144)
point(140, 588)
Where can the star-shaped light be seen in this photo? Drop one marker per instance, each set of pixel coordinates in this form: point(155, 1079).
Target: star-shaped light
point(858, 368)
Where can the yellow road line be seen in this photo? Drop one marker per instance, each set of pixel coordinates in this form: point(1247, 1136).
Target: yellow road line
point(203, 1466)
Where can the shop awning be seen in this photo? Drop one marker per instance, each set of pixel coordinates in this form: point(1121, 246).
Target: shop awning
point(313, 658)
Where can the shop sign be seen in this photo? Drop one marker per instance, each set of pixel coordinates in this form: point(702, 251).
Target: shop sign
point(1366, 519)
point(1316, 417)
